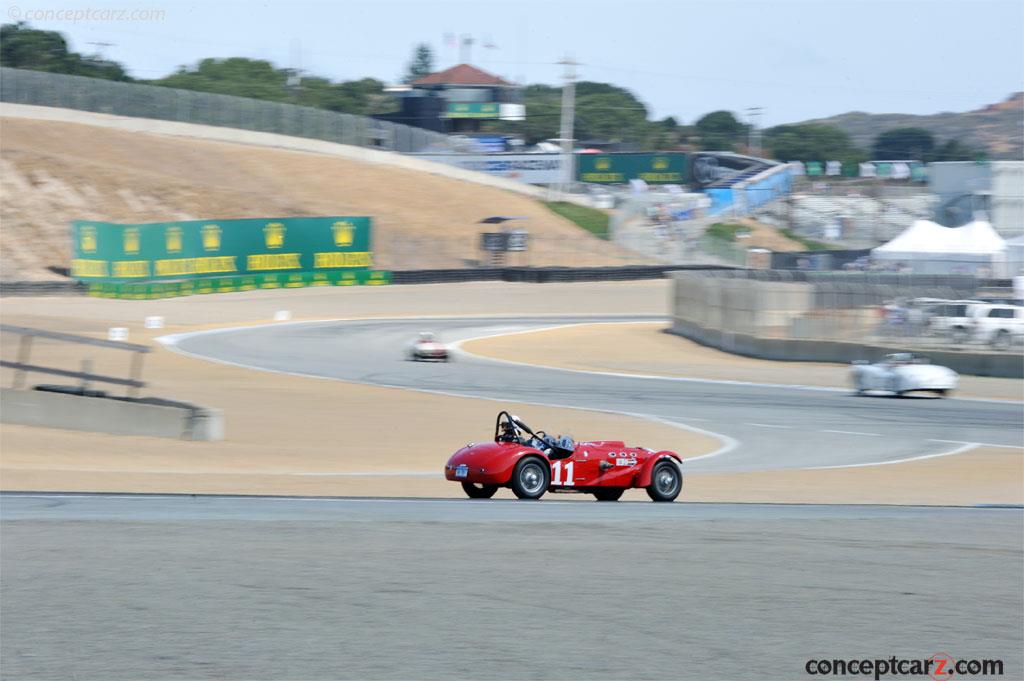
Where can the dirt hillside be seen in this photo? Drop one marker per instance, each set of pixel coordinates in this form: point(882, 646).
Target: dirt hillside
point(52, 173)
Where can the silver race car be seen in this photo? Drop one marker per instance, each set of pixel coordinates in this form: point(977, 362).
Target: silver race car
point(426, 348)
point(901, 373)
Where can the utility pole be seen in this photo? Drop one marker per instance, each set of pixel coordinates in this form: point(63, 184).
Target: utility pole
point(466, 48)
point(754, 131)
point(568, 119)
point(101, 45)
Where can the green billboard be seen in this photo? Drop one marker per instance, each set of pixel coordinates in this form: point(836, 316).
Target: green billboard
point(201, 249)
point(472, 110)
point(667, 168)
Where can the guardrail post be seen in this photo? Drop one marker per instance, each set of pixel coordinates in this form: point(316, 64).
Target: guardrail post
point(135, 373)
point(24, 350)
point(86, 370)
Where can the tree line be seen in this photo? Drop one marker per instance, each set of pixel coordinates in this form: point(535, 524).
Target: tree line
point(604, 112)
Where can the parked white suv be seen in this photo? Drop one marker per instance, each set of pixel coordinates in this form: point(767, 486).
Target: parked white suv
point(951, 318)
point(999, 325)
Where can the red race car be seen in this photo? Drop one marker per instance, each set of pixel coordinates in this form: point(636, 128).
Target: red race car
point(531, 463)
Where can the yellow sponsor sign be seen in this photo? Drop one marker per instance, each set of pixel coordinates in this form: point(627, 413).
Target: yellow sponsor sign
point(602, 177)
point(273, 261)
point(87, 239)
point(177, 267)
point(333, 260)
point(273, 234)
point(211, 237)
point(172, 239)
point(131, 268)
point(344, 232)
point(90, 268)
point(661, 177)
point(131, 239)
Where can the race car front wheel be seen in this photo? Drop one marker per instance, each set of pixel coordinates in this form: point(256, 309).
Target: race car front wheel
point(666, 482)
point(475, 490)
point(530, 478)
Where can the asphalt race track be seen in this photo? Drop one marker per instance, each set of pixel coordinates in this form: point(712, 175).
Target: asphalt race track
point(773, 426)
point(157, 587)
point(182, 587)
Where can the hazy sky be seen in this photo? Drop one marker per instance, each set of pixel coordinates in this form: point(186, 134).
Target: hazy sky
point(796, 59)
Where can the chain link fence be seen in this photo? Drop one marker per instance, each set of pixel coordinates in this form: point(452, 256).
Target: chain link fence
point(397, 251)
point(923, 312)
point(39, 88)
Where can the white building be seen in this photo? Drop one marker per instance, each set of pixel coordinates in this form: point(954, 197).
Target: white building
point(966, 188)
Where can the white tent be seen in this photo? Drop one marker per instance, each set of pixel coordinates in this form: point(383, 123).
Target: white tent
point(929, 248)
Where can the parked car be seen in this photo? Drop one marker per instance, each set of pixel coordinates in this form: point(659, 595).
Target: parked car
point(533, 462)
point(999, 325)
point(951, 318)
point(901, 373)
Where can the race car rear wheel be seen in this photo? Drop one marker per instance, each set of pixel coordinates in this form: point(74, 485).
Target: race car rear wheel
point(530, 478)
point(666, 482)
point(608, 494)
point(476, 490)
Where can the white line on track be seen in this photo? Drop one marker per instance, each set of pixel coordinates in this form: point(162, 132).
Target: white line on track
point(264, 473)
point(964, 446)
point(850, 432)
point(769, 425)
point(729, 444)
point(457, 349)
point(981, 444)
point(171, 342)
point(262, 498)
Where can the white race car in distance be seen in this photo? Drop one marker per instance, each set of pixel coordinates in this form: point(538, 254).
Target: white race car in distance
point(426, 348)
point(901, 373)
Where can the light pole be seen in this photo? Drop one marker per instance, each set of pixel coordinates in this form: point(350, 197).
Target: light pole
point(754, 131)
point(568, 120)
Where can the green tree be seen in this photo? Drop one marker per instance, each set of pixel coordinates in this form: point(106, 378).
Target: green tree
point(904, 143)
point(237, 76)
point(720, 131)
point(954, 150)
point(603, 112)
point(812, 142)
point(421, 64)
point(23, 47)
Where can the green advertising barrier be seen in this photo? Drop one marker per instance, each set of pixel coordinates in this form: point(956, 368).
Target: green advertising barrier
point(165, 259)
point(668, 168)
point(170, 289)
point(109, 252)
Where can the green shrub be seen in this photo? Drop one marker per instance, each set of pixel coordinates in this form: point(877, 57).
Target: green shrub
point(725, 231)
point(808, 244)
point(591, 219)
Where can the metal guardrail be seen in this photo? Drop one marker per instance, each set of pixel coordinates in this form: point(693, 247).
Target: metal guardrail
point(23, 366)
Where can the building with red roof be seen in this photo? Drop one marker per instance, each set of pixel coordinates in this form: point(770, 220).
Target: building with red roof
point(456, 99)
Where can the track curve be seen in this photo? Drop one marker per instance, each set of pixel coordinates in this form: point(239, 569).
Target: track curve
point(771, 426)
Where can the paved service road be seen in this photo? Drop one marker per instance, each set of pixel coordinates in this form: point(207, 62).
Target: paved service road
point(140, 587)
point(775, 426)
